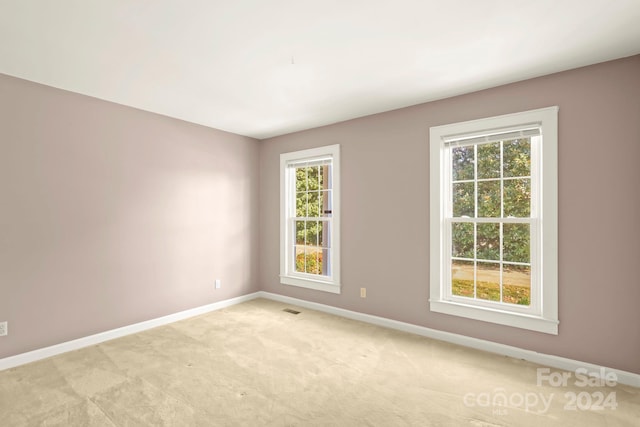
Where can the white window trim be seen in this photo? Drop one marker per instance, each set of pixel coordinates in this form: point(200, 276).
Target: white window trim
point(309, 281)
point(546, 318)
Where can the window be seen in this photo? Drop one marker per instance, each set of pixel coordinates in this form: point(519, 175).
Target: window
point(494, 220)
point(310, 218)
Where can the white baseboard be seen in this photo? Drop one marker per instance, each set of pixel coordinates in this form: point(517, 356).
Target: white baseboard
point(623, 377)
point(43, 353)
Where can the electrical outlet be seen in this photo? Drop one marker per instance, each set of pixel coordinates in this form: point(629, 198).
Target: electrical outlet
point(218, 283)
point(4, 329)
point(363, 292)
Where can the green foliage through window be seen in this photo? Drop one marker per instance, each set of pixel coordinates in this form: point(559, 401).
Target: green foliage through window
point(313, 207)
point(490, 182)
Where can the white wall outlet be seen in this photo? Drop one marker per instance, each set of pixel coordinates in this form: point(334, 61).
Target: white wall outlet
point(363, 292)
point(4, 329)
point(218, 283)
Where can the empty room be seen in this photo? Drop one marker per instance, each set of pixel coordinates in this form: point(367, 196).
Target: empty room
point(305, 213)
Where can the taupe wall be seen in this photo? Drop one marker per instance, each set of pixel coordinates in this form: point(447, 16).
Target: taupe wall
point(110, 216)
point(385, 211)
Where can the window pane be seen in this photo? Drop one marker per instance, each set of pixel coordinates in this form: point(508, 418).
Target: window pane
point(313, 206)
point(300, 233)
point(516, 284)
point(517, 197)
point(489, 199)
point(488, 241)
point(462, 239)
point(516, 244)
point(488, 281)
point(322, 177)
point(463, 199)
point(324, 236)
point(311, 233)
point(300, 259)
point(312, 178)
point(462, 163)
point(301, 179)
point(313, 263)
point(489, 160)
point(517, 157)
point(462, 278)
point(301, 204)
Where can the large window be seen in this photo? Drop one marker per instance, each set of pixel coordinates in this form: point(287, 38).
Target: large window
point(310, 218)
point(494, 219)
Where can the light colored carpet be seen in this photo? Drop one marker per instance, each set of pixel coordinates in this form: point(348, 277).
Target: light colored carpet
point(255, 365)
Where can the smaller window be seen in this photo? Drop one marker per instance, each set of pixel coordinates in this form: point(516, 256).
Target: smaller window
point(310, 218)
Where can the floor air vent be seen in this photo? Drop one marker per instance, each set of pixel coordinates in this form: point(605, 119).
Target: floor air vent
point(288, 310)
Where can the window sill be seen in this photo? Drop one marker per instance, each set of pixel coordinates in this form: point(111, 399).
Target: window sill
point(317, 285)
point(517, 320)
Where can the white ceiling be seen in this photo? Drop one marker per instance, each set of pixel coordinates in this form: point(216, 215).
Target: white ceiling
point(267, 67)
